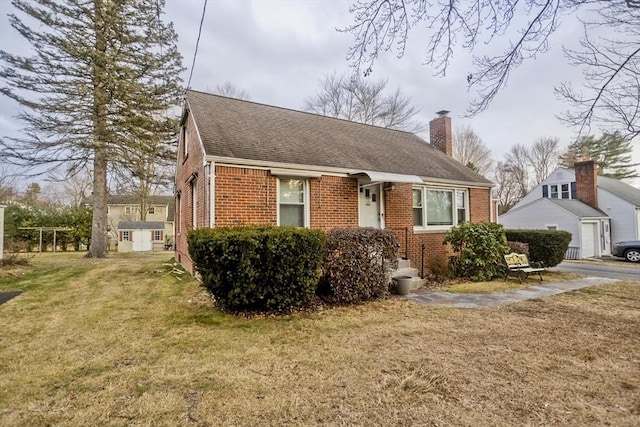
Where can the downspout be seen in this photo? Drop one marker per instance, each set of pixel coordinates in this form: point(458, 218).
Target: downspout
point(212, 194)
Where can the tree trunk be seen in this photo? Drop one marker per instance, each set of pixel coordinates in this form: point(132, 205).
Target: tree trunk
point(99, 239)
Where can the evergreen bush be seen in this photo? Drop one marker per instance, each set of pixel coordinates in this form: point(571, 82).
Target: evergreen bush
point(268, 269)
point(546, 246)
point(481, 247)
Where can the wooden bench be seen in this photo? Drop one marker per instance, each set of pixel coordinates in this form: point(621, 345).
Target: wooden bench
point(518, 265)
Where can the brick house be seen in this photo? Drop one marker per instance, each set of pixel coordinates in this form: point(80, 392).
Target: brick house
point(243, 163)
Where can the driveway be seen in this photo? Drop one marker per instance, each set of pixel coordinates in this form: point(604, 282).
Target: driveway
point(6, 296)
point(611, 268)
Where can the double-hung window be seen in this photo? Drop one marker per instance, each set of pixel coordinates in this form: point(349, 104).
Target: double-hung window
point(439, 208)
point(293, 205)
point(553, 191)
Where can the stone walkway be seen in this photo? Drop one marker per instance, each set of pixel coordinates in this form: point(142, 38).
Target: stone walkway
point(428, 297)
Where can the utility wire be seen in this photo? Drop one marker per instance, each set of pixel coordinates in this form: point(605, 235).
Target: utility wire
point(195, 54)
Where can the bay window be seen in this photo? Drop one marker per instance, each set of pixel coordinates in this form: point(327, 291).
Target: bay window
point(439, 208)
point(292, 202)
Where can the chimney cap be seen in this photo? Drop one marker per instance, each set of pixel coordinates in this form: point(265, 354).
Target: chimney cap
point(442, 113)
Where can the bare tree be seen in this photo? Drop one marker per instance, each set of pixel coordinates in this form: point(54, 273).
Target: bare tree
point(506, 187)
point(356, 99)
point(70, 189)
point(543, 158)
point(516, 164)
point(470, 150)
point(611, 62)
point(231, 90)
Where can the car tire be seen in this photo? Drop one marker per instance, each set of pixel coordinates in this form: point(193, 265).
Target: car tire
point(632, 255)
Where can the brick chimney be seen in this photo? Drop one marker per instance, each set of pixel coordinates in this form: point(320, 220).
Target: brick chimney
point(587, 182)
point(440, 133)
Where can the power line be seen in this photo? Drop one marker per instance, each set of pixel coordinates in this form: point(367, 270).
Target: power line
point(195, 54)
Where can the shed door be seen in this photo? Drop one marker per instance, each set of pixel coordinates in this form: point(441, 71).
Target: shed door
point(141, 241)
point(588, 230)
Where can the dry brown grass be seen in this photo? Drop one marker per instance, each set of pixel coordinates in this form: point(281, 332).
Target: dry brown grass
point(97, 342)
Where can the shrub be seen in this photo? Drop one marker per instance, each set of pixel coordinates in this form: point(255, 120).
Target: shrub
point(480, 247)
point(519, 247)
point(439, 267)
point(358, 265)
point(547, 246)
point(258, 268)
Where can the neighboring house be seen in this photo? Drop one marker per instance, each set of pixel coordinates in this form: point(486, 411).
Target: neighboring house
point(160, 209)
point(141, 236)
point(596, 210)
point(243, 163)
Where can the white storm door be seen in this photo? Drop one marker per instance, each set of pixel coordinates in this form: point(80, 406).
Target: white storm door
point(370, 207)
point(141, 241)
point(588, 230)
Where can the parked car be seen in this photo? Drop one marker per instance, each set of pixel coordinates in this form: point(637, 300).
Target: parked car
point(630, 250)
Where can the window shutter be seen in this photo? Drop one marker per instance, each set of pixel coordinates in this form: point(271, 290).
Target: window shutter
point(545, 191)
point(573, 190)
point(120, 232)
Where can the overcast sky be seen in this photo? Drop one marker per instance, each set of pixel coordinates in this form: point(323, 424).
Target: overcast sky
point(277, 51)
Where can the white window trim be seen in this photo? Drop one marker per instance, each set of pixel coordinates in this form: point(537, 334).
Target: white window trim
point(429, 228)
point(546, 226)
point(307, 199)
point(194, 203)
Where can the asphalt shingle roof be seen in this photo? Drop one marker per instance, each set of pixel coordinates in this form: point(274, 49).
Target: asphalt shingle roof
point(578, 208)
point(246, 130)
point(620, 189)
point(140, 225)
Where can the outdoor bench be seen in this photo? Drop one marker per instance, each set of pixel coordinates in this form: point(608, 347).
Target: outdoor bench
point(518, 265)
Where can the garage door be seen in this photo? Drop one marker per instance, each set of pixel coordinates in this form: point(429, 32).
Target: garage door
point(588, 239)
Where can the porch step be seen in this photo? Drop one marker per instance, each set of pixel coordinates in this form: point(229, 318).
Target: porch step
point(404, 263)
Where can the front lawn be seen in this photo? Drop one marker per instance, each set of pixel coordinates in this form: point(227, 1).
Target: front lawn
point(506, 284)
point(118, 342)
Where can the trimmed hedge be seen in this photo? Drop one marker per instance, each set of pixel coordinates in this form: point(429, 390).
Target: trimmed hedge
point(546, 246)
point(480, 247)
point(358, 264)
point(258, 268)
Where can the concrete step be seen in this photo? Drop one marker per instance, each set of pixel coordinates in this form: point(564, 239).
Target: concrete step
point(404, 263)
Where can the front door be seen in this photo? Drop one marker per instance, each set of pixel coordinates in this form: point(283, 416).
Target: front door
point(370, 206)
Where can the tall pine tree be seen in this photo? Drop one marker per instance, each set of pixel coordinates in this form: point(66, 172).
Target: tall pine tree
point(611, 151)
point(97, 88)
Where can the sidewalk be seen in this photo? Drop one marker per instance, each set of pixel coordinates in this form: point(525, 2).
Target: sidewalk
point(428, 297)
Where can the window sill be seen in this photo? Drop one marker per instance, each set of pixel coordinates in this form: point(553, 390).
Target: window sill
point(436, 229)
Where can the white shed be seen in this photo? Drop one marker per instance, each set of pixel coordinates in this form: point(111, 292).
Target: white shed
point(140, 236)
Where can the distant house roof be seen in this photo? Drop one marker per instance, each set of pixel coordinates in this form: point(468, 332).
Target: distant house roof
point(578, 208)
point(140, 225)
point(623, 190)
point(232, 128)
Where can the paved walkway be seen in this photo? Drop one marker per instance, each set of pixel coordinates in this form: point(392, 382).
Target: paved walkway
point(428, 297)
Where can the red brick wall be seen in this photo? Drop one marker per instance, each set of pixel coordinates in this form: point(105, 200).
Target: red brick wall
point(187, 165)
point(479, 204)
point(334, 202)
point(244, 196)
